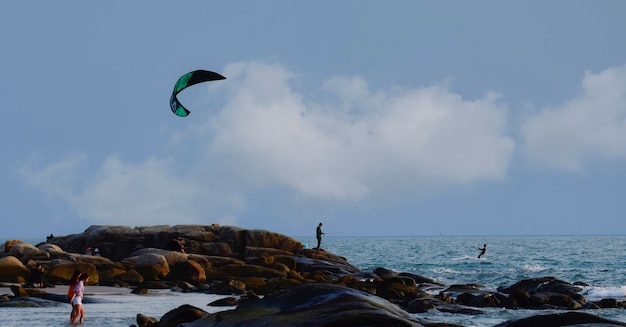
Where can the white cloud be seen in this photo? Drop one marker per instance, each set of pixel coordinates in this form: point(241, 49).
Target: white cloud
point(349, 144)
point(147, 193)
point(416, 140)
point(592, 125)
point(57, 179)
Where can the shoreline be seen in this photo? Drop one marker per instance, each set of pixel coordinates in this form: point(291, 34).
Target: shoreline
point(90, 290)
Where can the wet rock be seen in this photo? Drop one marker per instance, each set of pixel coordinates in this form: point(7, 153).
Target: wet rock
point(312, 305)
point(230, 286)
point(19, 291)
point(140, 290)
point(420, 280)
point(146, 321)
point(225, 302)
point(561, 319)
point(541, 285)
point(608, 303)
point(424, 304)
point(183, 314)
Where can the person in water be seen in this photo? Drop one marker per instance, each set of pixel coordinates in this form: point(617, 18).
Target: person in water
point(70, 292)
point(482, 250)
point(77, 298)
point(318, 235)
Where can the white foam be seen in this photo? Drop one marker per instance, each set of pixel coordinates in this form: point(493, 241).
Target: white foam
point(605, 292)
point(446, 271)
point(534, 268)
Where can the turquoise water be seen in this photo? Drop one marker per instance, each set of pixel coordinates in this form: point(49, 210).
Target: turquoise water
point(595, 260)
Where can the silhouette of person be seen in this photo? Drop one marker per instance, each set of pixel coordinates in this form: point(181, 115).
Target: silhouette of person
point(482, 250)
point(318, 235)
point(36, 276)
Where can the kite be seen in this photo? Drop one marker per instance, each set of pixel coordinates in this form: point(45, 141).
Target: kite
point(189, 79)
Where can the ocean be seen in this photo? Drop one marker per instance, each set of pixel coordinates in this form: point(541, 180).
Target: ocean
point(595, 260)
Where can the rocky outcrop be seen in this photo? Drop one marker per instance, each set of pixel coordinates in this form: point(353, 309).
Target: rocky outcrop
point(252, 263)
point(119, 242)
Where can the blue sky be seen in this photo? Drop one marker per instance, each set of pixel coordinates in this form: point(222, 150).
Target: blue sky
point(376, 118)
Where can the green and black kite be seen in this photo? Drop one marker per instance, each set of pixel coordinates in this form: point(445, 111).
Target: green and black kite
point(189, 79)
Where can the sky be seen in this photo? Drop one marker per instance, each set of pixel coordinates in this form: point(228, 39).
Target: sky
point(377, 118)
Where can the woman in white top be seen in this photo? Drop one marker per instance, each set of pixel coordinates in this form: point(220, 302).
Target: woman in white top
point(77, 298)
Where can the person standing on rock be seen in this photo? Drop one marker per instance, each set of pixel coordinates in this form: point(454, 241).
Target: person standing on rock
point(318, 235)
point(482, 250)
point(36, 276)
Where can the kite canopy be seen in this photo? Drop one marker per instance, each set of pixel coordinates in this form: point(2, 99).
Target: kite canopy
point(189, 79)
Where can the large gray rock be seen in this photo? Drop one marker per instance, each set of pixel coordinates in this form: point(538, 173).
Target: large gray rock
point(312, 305)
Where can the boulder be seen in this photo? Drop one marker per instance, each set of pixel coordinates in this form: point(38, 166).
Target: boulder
point(542, 284)
point(13, 270)
point(173, 258)
point(561, 319)
point(227, 287)
point(151, 266)
point(224, 302)
point(608, 303)
point(312, 305)
point(8, 244)
point(265, 239)
point(23, 251)
point(61, 272)
point(146, 321)
point(188, 271)
point(48, 247)
point(183, 314)
point(217, 249)
point(131, 277)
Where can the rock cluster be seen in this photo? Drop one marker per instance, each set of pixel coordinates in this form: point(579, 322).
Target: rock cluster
point(297, 284)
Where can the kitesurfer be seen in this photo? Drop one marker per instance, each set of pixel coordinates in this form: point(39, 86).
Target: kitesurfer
point(482, 250)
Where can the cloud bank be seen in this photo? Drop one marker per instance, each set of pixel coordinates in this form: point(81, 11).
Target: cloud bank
point(341, 142)
point(589, 127)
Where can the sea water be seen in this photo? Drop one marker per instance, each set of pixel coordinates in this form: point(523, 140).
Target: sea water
point(595, 260)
